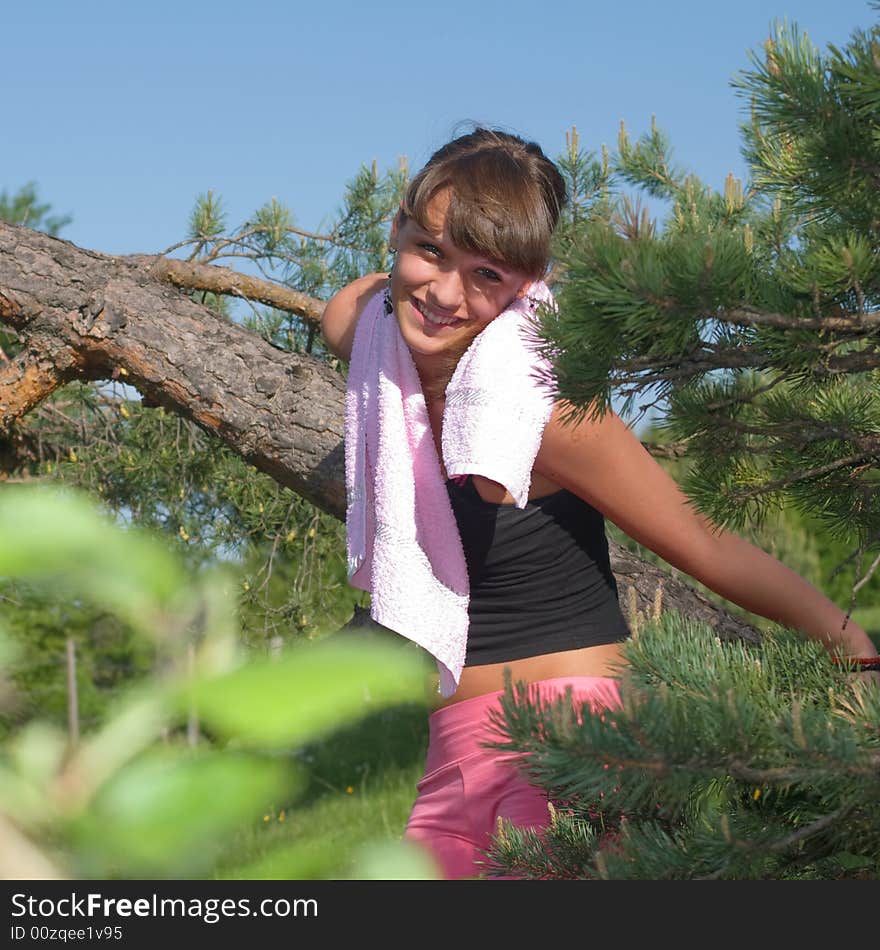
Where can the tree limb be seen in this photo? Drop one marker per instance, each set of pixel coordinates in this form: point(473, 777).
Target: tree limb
point(746, 317)
point(220, 280)
point(97, 317)
point(25, 382)
point(92, 316)
point(646, 371)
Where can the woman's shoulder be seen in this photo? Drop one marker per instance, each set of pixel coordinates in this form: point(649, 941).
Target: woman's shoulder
point(341, 312)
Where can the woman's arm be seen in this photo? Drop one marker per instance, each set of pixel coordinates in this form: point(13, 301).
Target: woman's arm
point(604, 463)
point(340, 315)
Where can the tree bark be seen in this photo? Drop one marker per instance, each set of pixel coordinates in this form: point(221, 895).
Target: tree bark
point(89, 316)
point(80, 314)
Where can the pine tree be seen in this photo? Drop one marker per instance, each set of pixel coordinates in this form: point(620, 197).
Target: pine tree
point(24, 207)
point(750, 320)
point(162, 471)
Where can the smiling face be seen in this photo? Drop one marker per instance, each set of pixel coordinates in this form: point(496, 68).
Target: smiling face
point(444, 295)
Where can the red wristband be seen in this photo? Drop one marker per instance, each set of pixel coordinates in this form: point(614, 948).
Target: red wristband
point(862, 662)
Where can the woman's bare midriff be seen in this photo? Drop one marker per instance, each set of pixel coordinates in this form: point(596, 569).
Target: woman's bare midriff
point(604, 660)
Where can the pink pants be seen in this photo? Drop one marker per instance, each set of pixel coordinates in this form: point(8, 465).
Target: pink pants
point(467, 787)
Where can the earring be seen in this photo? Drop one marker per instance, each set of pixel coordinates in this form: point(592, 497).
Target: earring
point(386, 297)
point(386, 294)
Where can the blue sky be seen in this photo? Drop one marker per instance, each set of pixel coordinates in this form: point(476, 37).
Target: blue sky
point(123, 113)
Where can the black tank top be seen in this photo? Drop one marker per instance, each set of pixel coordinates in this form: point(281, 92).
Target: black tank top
point(540, 576)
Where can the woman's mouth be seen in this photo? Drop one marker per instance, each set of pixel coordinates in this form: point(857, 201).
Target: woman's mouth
point(435, 319)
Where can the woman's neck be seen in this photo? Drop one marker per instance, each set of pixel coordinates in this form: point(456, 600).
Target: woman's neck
point(434, 374)
point(435, 370)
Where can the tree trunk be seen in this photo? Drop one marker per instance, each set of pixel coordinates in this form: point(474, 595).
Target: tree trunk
point(84, 315)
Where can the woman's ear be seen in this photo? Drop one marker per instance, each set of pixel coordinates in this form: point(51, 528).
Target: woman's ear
point(525, 288)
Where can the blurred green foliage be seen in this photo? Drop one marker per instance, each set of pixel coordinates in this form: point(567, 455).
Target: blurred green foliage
point(187, 756)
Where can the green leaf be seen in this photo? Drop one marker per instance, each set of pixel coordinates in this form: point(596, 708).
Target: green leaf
point(29, 767)
point(135, 725)
point(301, 861)
point(168, 813)
point(394, 861)
point(37, 751)
point(58, 535)
point(315, 687)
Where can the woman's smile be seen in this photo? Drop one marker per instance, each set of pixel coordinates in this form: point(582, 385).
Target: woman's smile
point(433, 317)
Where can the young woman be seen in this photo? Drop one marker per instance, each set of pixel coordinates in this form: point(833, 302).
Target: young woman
point(472, 237)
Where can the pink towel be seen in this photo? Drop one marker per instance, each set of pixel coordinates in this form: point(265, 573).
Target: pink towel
point(496, 403)
point(402, 538)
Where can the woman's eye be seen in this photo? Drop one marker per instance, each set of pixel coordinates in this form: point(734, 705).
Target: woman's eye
point(430, 248)
point(490, 274)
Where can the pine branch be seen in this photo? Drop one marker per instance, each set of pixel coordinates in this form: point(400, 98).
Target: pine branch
point(809, 475)
point(220, 280)
point(747, 317)
point(649, 371)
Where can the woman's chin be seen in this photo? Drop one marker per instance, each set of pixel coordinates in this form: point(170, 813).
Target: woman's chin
point(428, 340)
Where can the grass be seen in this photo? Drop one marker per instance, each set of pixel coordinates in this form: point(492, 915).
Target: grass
point(359, 786)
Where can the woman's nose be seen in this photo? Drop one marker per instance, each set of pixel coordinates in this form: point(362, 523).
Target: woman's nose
point(447, 290)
